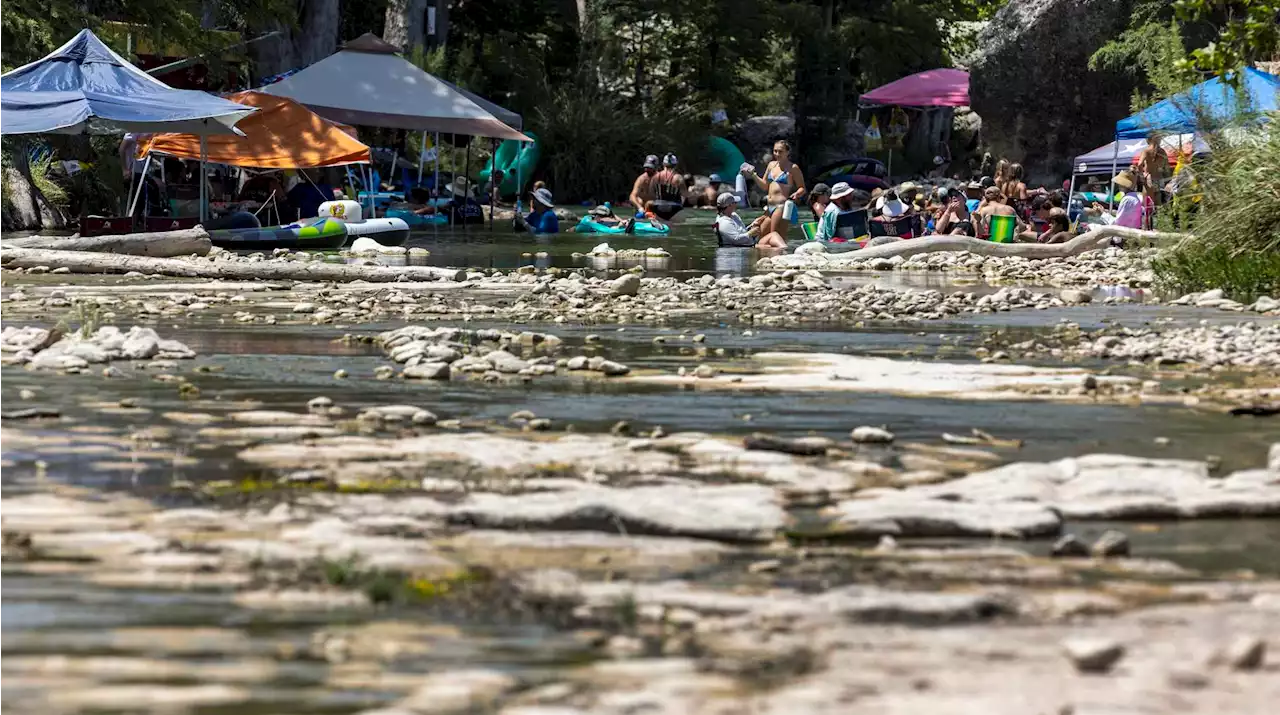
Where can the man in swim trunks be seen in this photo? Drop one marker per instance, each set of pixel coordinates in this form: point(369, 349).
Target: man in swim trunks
point(642, 191)
point(711, 193)
point(1153, 164)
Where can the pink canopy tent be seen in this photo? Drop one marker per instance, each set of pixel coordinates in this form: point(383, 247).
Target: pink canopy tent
point(932, 88)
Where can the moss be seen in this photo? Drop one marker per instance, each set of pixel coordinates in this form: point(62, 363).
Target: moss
point(390, 587)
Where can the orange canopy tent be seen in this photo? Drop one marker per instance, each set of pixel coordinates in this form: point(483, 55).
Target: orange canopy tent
point(282, 134)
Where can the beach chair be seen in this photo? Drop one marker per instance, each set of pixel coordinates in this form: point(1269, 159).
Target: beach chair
point(105, 225)
point(170, 223)
point(1003, 229)
point(810, 230)
point(900, 227)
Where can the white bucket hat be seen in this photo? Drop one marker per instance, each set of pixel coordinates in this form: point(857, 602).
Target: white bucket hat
point(543, 196)
point(841, 190)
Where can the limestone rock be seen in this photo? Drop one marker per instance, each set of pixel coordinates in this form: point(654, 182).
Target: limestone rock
point(628, 284)
point(1007, 91)
point(1093, 655)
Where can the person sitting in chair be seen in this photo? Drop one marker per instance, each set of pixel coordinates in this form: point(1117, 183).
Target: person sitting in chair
point(840, 220)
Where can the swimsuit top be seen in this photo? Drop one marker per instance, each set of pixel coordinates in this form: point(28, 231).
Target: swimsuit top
point(784, 178)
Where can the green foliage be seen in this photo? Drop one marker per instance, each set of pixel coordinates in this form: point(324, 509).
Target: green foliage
point(1150, 51)
point(1248, 31)
point(1237, 228)
point(46, 184)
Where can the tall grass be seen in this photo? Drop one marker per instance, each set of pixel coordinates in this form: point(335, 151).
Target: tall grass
point(1236, 231)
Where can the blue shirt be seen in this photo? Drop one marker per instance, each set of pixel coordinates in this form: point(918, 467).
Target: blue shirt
point(972, 204)
point(543, 222)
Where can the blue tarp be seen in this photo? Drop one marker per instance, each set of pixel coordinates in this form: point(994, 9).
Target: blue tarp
point(84, 87)
point(1214, 101)
point(1100, 160)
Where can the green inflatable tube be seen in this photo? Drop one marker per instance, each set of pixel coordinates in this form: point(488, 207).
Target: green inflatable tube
point(643, 228)
point(726, 159)
point(514, 159)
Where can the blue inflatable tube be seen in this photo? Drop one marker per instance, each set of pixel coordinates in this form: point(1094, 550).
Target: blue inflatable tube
point(643, 228)
point(416, 221)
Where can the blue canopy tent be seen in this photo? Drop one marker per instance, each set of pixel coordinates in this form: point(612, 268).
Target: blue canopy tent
point(85, 88)
point(1207, 105)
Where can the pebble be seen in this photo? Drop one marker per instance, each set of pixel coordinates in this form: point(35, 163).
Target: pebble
point(1069, 546)
point(339, 374)
point(1093, 655)
point(704, 372)
point(1111, 544)
point(1246, 652)
point(319, 404)
point(304, 308)
point(871, 435)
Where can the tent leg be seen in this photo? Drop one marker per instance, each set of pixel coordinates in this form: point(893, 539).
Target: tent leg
point(421, 150)
point(493, 164)
point(141, 183)
point(437, 163)
point(466, 174)
point(1115, 162)
point(519, 179)
point(204, 154)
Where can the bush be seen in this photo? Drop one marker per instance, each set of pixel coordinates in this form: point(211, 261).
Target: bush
point(594, 142)
point(1236, 232)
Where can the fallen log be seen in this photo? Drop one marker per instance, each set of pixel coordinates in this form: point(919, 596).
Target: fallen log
point(1092, 240)
point(163, 244)
point(269, 270)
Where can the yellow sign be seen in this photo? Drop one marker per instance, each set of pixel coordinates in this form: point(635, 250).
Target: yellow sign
point(898, 126)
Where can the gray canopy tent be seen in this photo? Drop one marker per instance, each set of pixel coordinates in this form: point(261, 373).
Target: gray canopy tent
point(368, 83)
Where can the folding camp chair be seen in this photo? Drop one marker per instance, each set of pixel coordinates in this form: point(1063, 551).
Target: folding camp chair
point(1003, 228)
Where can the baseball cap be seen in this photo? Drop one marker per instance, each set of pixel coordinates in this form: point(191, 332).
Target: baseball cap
point(715, 179)
point(669, 160)
point(726, 199)
point(651, 161)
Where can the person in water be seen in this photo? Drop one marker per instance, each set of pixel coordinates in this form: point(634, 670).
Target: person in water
point(542, 219)
point(993, 204)
point(668, 184)
point(729, 228)
point(1059, 230)
point(784, 183)
point(642, 190)
point(711, 192)
point(819, 200)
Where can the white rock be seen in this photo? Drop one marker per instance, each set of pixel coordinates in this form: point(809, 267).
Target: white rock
point(1093, 655)
point(870, 435)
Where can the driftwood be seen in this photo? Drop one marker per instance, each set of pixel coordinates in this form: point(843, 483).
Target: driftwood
point(1092, 240)
point(163, 244)
point(270, 270)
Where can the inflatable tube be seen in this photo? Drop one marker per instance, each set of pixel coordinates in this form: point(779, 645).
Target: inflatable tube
point(416, 221)
point(235, 219)
point(643, 228)
point(514, 159)
point(726, 159)
point(665, 210)
point(316, 234)
point(387, 231)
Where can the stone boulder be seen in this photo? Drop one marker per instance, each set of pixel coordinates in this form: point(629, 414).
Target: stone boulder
point(755, 136)
point(25, 208)
point(1040, 103)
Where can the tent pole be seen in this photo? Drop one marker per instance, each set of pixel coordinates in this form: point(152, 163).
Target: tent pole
point(437, 162)
point(421, 151)
point(520, 178)
point(1071, 190)
point(204, 153)
point(466, 174)
point(141, 183)
point(1115, 161)
point(493, 165)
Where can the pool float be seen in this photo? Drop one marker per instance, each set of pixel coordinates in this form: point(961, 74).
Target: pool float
point(514, 159)
point(387, 231)
point(416, 221)
point(725, 158)
point(643, 228)
point(313, 234)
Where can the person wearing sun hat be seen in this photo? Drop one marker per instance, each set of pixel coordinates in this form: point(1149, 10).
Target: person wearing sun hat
point(543, 218)
point(844, 201)
point(1131, 211)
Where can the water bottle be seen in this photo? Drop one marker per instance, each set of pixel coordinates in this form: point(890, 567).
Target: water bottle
point(740, 189)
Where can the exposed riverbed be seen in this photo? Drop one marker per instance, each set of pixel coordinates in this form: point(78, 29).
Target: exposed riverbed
point(600, 494)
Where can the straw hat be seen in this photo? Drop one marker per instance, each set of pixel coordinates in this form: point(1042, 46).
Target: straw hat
point(459, 186)
point(1124, 179)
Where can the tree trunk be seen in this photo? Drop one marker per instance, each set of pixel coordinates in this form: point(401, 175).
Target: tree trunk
point(442, 23)
point(86, 262)
point(162, 244)
point(25, 207)
point(406, 24)
point(1092, 240)
point(319, 36)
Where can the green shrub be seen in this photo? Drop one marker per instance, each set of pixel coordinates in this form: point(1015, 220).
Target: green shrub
point(1236, 231)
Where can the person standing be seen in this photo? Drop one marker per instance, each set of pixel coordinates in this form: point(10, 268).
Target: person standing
point(543, 218)
point(1153, 164)
point(783, 181)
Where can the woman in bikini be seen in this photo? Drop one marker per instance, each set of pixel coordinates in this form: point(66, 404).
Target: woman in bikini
point(1015, 190)
point(784, 183)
